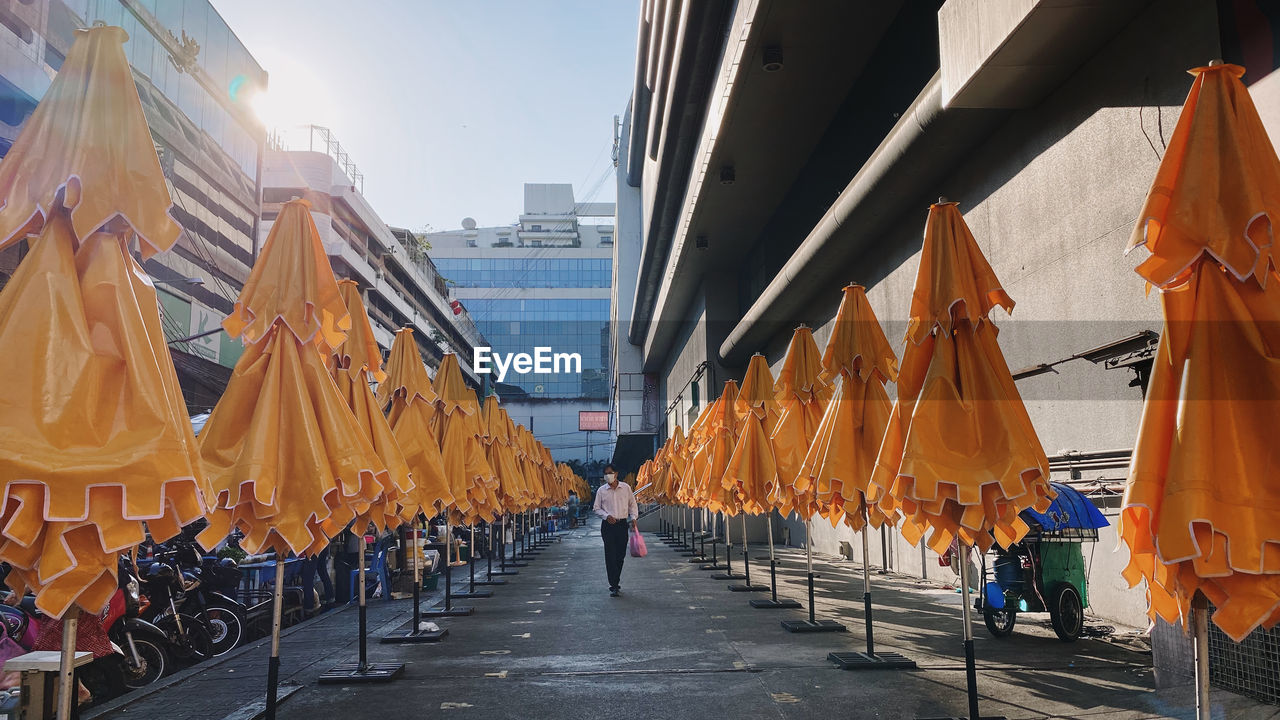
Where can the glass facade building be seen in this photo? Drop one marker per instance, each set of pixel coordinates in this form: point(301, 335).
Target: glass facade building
point(564, 325)
point(194, 80)
point(553, 272)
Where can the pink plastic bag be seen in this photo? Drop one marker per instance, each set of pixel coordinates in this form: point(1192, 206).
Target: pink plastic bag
point(636, 544)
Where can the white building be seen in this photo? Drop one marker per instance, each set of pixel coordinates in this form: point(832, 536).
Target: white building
point(401, 286)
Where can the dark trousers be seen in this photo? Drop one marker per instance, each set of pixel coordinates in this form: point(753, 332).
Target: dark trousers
point(615, 550)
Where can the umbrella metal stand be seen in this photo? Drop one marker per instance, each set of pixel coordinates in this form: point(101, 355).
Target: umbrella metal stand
point(489, 577)
point(690, 548)
point(363, 671)
point(515, 527)
point(471, 591)
point(970, 665)
point(812, 624)
point(448, 610)
point(746, 585)
point(773, 603)
point(728, 573)
point(869, 660)
point(715, 555)
point(415, 635)
point(700, 555)
point(502, 554)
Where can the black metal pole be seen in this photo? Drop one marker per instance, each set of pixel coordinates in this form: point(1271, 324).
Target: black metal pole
point(472, 559)
point(866, 609)
point(364, 622)
point(971, 676)
point(488, 555)
point(417, 582)
point(448, 568)
point(811, 617)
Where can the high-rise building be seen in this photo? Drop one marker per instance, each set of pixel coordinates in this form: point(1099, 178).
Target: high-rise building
point(401, 286)
point(543, 282)
point(194, 78)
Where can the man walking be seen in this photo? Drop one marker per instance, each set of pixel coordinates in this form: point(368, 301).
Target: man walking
point(616, 506)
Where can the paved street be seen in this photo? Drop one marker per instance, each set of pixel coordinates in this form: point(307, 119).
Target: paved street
point(552, 644)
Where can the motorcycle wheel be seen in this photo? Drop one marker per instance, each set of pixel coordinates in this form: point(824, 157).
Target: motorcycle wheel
point(226, 629)
point(154, 662)
point(191, 645)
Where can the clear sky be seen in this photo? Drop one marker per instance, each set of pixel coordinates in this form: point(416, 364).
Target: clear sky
point(449, 106)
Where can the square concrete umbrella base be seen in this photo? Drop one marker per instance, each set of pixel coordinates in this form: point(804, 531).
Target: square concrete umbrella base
point(699, 559)
point(712, 566)
point(350, 673)
point(426, 636)
point(470, 595)
point(863, 661)
point(495, 582)
point(258, 708)
point(727, 576)
point(451, 612)
point(804, 626)
point(774, 604)
point(749, 588)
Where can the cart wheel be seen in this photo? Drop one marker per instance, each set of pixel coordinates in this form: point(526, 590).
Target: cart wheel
point(1066, 612)
point(999, 622)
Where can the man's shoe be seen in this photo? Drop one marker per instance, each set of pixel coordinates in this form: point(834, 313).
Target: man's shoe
point(613, 593)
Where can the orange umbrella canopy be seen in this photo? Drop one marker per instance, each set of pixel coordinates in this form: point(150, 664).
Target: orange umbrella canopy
point(752, 471)
point(457, 428)
point(356, 362)
point(840, 461)
point(802, 395)
point(960, 455)
point(1203, 502)
point(288, 463)
point(94, 434)
point(408, 392)
point(713, 487)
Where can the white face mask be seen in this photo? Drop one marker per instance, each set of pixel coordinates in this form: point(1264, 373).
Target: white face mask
point(610, 478)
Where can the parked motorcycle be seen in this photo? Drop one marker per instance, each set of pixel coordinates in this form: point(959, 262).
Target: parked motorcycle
point(207, 593)
point(189, 638)
point(145, 646)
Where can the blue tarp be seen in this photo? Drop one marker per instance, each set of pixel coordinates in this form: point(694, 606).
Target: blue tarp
point(1070, 509)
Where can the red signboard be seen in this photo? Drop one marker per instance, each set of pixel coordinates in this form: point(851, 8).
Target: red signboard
point(593, 420)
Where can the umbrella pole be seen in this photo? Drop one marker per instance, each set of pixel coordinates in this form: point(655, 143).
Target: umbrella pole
point(866, 589)
point(472, 558)
point(970, 666)
point(728, 545)
point(448, 565)
point(67, 666)
point(746, 559)
point(364, 607)
point(1200, 621)
point(417, 582)
point(273, 665)
point(773, 563)
point(808, 551)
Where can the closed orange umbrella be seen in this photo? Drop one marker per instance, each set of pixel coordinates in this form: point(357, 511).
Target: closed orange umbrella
point(412, 410)
point(94, 435)
point(843, 455)
point(457, 427)
point(288, 463)
point(357, 361)
point(752, 470)
point(960, 456)
point(1202, 504)
point(802, 395)
point(859, 361)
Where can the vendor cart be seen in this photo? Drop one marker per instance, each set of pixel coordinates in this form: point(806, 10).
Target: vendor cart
point(1045, 572)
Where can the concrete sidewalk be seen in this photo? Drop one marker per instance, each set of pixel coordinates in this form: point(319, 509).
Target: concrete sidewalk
point(552, 643)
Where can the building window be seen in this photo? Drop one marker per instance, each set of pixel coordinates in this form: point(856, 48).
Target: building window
point(606, 239)
point(535, 228)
